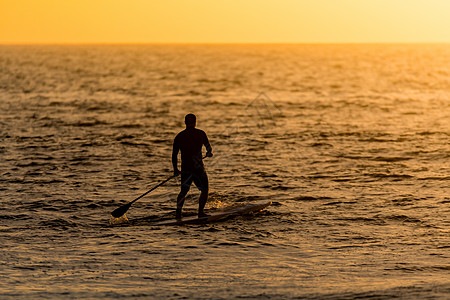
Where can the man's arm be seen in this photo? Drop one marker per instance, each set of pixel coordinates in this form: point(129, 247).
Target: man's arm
point(208, 147)
point(175, 151)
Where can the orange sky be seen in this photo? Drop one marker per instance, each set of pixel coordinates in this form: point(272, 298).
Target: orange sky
point(224, 21)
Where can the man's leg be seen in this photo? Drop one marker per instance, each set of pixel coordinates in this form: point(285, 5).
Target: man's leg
point(202, 202)
point(201, 181)
point(180, 202)
point(186, 180)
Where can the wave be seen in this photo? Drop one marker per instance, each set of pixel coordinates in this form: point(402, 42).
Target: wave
point(391, 176)
point(19, 216)
point(87, 123)
point(406, 291)
point(438, 178)
point(414, 269)
point(57, 224)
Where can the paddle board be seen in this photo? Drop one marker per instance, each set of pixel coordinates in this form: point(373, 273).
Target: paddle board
point(216, 216)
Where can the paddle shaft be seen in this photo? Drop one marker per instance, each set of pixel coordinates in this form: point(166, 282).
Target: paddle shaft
point(153, 188)
point(158, 185)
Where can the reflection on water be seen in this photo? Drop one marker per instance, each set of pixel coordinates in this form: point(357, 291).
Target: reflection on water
point(119, 221)
point(350, 142)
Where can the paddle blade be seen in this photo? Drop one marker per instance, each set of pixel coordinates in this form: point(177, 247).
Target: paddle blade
point(118, 212)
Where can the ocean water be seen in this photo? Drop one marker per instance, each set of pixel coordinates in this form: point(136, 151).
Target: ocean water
point(351, 143)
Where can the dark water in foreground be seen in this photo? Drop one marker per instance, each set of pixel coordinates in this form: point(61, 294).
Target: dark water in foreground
point(350, 142)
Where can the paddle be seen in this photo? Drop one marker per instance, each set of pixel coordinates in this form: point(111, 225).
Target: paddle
point(118, 212)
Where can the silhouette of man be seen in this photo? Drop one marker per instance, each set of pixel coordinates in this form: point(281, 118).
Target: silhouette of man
point(190, 142)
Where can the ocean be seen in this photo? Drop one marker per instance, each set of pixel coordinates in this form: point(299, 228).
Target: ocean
point(351, 143)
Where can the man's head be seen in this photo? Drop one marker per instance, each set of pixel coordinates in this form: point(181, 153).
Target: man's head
point(190, 120)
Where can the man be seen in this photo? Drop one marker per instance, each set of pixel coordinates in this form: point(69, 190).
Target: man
point(190, 142)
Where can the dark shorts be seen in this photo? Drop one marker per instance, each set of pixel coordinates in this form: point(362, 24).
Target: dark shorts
point(200, 180)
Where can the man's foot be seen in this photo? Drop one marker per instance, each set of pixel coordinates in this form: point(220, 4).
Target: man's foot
point(178, 214)
point(202, 215)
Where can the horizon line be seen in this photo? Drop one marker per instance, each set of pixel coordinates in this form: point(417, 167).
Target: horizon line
point(212, 43)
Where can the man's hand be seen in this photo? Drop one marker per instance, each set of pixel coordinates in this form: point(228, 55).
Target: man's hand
point(176, 172)
point(209, 154)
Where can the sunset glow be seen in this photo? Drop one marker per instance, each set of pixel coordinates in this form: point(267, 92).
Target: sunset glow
point(224, 21)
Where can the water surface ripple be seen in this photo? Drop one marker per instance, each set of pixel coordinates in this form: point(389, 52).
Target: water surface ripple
point(350, 142)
